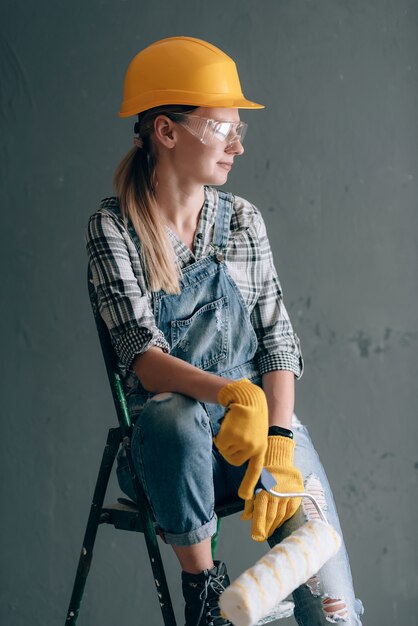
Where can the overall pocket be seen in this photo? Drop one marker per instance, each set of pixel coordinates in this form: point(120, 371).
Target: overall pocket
point(202, 339)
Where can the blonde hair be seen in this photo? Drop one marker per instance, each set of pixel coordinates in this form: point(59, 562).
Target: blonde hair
point(134, 181)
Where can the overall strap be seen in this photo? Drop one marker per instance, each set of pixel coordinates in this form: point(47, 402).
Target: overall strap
point(223, 219)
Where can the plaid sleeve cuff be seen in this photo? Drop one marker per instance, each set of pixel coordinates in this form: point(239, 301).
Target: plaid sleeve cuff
point(138, 341)
point(281, 361)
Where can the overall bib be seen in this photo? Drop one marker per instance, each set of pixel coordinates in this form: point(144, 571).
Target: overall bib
point(208, 324)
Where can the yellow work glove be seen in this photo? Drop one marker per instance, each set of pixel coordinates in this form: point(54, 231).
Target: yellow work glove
point(269, 512)
point(243, 433)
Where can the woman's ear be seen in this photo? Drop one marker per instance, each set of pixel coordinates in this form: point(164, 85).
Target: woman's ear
point(164, 131)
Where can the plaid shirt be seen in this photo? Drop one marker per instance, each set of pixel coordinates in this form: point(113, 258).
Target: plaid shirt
point(126, 305)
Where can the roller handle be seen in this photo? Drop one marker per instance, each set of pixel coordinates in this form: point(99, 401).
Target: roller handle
point(268, 482)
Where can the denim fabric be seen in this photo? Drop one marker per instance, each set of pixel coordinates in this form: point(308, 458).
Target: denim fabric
point(208, 325)
point(334, 580)
point(173, 440)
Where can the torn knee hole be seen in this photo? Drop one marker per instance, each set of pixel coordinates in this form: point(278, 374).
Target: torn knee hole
point(335, 609)
point(314, 585)
point(314, 487)
point(162, 397)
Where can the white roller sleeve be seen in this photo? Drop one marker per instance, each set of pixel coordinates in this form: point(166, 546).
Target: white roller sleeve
point(287, 566)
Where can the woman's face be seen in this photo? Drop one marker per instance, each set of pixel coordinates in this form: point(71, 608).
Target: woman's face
point(202, 163)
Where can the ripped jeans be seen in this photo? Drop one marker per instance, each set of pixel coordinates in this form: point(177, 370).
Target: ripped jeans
point(171, 449)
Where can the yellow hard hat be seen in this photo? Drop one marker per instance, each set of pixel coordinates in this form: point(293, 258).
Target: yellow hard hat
point(182, 70)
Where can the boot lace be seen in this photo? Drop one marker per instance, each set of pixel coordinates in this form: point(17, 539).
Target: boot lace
point(210, 602)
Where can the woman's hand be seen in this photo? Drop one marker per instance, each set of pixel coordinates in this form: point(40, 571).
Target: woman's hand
point(243, 433)
point(269, 512)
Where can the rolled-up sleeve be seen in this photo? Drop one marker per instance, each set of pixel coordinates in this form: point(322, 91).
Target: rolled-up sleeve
point(278, 344)
point(119, 283)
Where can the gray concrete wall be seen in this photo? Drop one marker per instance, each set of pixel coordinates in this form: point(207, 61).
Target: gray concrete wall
point(331, 162)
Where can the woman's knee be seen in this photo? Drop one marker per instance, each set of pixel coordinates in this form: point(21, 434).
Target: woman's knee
point(174, 417)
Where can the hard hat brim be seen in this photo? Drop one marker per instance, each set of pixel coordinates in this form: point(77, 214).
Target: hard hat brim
point(155, 99)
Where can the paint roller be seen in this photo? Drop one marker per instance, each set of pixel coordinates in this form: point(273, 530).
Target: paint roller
point(256, 592)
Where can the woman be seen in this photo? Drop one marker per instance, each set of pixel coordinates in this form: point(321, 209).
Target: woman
point(186, 285)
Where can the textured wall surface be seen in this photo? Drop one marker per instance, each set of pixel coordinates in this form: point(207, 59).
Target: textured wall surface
point(331, 162)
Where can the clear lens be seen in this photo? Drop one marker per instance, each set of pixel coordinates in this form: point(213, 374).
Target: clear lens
point(206, 130)
point(221, 130)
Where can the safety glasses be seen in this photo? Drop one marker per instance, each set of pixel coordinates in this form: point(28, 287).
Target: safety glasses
point(208, 130)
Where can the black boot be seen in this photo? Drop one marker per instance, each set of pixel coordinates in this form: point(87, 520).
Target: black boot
point(201, 592)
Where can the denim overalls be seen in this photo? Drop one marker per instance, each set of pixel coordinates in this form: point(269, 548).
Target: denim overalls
point(209, 326)
point(182, 473)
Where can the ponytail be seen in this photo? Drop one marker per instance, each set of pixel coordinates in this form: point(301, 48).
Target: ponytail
point(134, 183)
